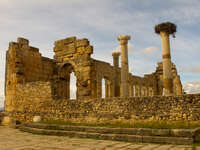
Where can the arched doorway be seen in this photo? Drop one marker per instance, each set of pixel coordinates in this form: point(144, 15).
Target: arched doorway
point(67, 82)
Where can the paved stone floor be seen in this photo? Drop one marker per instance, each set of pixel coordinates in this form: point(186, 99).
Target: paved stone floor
point(13, 139)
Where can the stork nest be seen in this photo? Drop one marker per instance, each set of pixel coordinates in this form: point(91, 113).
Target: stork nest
point(165, 27)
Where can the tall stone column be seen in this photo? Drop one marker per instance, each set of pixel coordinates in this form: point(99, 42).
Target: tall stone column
point(116, 59)
point(116, 89)
point(165, 29)
point(124, 64)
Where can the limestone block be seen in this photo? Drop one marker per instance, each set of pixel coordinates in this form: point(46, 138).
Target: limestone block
point(65, 41)
point(13, 45)
point(22, 41)
point(70, 48)
point(36, 119)
point(57, 48)
point(7, 121)
point(80, 49)
point(82, 42)
point(89, 50)
point(34, 49)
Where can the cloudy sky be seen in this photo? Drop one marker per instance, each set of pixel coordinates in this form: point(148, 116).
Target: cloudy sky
point(101, 21)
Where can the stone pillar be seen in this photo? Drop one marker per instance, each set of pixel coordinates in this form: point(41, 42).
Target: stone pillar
point(138, 90)
point(131, 91)
point(116, 59)
point(124, 64)
point(99, 88)
point(116, 82)
point(167, 65)
point(165, 29)
point(106, 89)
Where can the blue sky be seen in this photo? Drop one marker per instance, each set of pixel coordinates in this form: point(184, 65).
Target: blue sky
point(101, 21)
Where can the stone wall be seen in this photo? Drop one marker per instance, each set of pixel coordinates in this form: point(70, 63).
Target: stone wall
point(37, 85)
point(24, 63)
point(40, 102)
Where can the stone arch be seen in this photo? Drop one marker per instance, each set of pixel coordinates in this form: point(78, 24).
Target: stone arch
point(64, 73)
point(68, 62)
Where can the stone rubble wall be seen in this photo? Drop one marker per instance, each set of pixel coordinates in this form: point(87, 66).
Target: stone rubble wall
point(34, 98)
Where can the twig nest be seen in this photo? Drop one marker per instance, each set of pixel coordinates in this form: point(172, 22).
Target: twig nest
point(168, 27)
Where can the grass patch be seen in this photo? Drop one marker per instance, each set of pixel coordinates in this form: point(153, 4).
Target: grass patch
point(133, 124)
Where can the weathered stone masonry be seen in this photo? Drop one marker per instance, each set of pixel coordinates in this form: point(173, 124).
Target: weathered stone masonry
point(36, 85)
point(183, 107)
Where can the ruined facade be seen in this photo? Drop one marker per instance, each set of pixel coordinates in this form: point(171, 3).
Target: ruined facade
point(36, 85)
point(25, 64)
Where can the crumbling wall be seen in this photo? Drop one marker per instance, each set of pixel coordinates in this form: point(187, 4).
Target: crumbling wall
point(177, 85)
point(107, 72)
point(75, 53)
point(184, 107)
point(24, 64)
point(37, 85)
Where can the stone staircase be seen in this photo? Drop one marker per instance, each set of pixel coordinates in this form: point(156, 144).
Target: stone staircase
point(145, 135)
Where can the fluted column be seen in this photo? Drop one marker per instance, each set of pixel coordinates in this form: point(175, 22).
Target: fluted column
point(165, 29)
point(124, 64)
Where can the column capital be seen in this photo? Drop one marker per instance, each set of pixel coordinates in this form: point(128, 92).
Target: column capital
point(117, 54)
point(124, 39)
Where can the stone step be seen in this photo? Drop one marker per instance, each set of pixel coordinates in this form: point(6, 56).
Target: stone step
point(108, 136)
point(190, 133)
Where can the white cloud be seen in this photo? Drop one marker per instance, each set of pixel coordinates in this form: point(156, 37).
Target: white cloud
point(101, 22)
point(192, 87)
point(191, 69)
point(194, 69)
point(149, 50)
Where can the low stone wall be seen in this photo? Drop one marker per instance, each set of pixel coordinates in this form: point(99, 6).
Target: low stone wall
point(35, 99)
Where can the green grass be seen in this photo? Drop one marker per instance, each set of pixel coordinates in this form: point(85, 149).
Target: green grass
point(133, 124)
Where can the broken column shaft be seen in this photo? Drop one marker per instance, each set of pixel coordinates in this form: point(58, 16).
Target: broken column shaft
point(165, 29)
point(116, 59)
point(124, 64)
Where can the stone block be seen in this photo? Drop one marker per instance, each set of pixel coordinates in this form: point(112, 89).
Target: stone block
point(22, 41)
point(34, 49)
point(37, 119)
point(134, 138)
point(69, 48)
point(61, 43)
point(143, 131)
point(160, 132)
point(89, 49)
point(7, 121)
point(182, 132)
point(82, 43)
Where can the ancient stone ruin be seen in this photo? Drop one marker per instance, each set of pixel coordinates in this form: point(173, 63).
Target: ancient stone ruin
point(36, 85)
